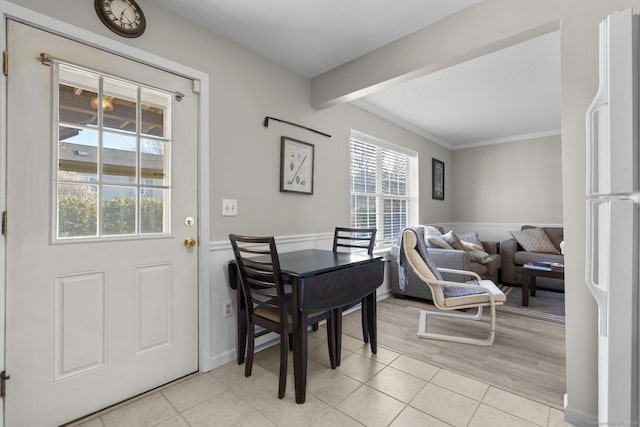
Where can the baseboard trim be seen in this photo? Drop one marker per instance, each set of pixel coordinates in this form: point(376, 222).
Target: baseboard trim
point(579, 418)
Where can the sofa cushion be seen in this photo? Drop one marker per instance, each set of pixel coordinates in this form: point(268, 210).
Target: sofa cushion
point(535, 240)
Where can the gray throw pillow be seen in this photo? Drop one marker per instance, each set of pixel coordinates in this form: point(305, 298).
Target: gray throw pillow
point(534, 240)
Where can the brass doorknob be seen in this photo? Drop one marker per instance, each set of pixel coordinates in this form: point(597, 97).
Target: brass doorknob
point(189, 242)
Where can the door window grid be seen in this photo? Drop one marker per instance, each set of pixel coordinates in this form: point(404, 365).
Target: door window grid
point(113, 144)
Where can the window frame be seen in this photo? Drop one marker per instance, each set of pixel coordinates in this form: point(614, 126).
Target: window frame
point(384, 236)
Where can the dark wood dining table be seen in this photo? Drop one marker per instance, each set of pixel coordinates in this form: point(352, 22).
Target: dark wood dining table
point(320, 280)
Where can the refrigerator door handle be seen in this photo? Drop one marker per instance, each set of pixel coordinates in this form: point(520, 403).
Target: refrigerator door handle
point(597, 290)
point(600, 101)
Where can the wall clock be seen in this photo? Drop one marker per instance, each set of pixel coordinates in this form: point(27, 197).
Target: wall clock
point(123, 17)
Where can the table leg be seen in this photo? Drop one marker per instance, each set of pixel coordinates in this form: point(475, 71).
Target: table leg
point(300, 355)
point(371, 322)
point(241, 317)
point(337, 316)
point(532, 285)
point(331, 338)
point(525, 286)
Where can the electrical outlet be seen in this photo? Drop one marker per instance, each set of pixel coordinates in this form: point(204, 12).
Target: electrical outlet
point(226, 309)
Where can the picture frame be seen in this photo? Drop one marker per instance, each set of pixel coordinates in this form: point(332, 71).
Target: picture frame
point(296, 166)
point(437, 179)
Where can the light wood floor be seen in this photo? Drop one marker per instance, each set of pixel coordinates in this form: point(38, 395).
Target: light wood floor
point(527, 357)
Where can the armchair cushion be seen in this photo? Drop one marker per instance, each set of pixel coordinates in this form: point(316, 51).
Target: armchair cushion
point(475, 297)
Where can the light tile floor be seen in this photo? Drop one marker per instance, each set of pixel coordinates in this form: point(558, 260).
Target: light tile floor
point(385, 389)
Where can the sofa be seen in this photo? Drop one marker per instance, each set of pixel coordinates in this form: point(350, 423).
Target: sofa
point(514, 255)
point(445, 258)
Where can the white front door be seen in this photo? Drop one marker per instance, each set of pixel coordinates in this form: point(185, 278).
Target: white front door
point(101, 290)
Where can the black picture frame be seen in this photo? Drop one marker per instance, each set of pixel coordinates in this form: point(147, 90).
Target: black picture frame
point(296, 166)
point(437, 179)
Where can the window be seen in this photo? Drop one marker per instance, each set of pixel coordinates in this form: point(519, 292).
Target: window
point(384, 187)
point(112, 144)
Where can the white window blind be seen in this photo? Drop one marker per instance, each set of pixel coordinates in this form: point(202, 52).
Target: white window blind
point(384, 188)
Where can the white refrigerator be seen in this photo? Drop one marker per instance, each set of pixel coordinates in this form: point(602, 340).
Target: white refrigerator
point(612, 231)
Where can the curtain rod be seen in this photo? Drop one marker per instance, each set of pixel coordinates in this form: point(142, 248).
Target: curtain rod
point(267, 118)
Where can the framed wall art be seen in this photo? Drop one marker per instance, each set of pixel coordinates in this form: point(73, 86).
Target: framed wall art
point(437, 179)
point(296, 166)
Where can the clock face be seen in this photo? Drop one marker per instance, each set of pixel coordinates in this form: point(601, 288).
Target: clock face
point(123, 17)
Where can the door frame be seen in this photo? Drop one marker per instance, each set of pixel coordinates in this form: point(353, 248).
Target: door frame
point(201, 85)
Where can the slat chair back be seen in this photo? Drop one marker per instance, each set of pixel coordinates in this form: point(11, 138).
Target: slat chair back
point(261, 278)
point(354, 238)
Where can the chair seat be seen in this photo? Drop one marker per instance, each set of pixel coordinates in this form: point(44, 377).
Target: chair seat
point(498, 296)
point(272, 313)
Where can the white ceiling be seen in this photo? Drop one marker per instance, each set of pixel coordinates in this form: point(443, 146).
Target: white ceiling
point(510, 94)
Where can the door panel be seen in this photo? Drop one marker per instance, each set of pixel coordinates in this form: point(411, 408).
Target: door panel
point(91, 321)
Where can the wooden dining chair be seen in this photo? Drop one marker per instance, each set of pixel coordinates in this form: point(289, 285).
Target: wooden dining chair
point(267, 304)
point(356, 239)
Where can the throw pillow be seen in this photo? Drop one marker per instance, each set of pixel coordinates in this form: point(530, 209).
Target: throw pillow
point(471, 238)
point(437, 242)
point(453, 240)
point(534, 240)
point(470, 246)
point(477, 252)
point(430, 230)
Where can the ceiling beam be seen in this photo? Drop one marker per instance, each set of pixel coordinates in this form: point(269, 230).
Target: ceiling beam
point(486, 27)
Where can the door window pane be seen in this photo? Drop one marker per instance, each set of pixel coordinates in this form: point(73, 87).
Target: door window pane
point(155, 105)
point(119, 155)
point(152, 217)
point(119, 102)
point(77, 210)
point(77, 92)
point(118, 210)
point(77, 154)
point(154, 162)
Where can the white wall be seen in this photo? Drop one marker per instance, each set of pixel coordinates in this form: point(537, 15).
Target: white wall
point(509, 183)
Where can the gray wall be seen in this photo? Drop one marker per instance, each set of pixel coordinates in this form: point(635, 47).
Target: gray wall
point(515, 182)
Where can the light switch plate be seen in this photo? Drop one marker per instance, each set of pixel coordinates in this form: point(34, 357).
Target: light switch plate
point(229, 207)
